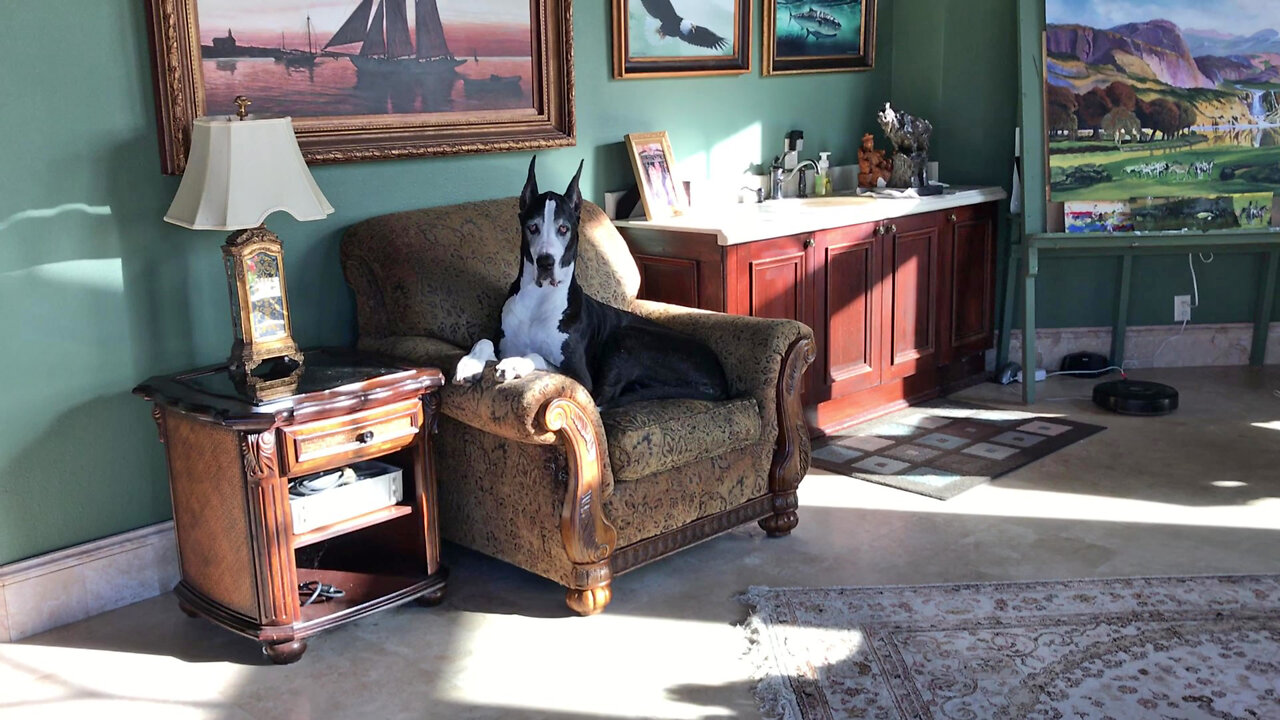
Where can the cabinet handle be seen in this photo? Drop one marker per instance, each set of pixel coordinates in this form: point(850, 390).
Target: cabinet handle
point(364, 437)
point(952, 217)
point(879, 230)
point(893, 228)
point(808, 242)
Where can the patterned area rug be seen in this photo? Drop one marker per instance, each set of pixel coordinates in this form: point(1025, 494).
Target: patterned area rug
point(943, 450)
point(1167, 648)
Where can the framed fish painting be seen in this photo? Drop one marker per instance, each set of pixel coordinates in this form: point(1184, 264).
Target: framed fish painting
point(807, 36)
point(667, 38)
point(369, 79)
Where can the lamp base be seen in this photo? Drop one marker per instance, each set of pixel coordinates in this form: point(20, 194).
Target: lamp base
point(254, 263)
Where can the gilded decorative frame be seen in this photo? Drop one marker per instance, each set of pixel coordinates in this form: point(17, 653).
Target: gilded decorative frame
point(736, 63)
point(818, 62)
point(176, 63)
point(658, 202)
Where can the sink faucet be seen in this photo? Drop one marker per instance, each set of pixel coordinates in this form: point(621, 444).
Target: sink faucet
point(779, 178)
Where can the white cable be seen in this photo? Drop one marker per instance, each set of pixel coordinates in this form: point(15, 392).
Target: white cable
point(1082, 372)
point(1166, 342)
point(1194, 287)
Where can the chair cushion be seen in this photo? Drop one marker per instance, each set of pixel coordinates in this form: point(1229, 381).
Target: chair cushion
point(651, 437)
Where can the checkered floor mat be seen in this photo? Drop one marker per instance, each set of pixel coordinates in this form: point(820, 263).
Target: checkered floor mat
point(944, 449)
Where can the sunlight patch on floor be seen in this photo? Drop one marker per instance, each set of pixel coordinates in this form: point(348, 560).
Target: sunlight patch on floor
point(112, 684)
point(610, 646)
point(822, 489)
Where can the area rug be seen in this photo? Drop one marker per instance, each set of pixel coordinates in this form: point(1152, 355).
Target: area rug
point(1167, 648)
point(944, 449)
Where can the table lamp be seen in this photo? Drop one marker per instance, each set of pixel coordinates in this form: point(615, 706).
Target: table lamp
point(240, 170)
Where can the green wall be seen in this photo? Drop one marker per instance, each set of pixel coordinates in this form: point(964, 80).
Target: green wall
point(1078, 292)
point(98, 293)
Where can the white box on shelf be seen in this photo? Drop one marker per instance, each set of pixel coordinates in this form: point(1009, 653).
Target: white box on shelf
point(378, 485)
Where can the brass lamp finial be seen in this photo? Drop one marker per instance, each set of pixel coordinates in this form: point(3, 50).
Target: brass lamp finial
point(243, 104)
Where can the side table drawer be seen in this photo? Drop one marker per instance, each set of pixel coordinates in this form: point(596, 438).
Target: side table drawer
point(317, 445)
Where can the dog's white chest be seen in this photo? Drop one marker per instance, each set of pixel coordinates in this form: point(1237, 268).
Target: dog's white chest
point(531, 323)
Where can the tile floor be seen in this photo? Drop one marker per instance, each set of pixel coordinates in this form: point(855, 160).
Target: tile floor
point(1194, 492)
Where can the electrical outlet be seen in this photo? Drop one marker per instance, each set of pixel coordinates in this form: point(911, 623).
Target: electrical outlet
point(1181, 308)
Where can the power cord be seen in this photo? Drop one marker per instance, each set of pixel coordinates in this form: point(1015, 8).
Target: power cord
point(314, 591)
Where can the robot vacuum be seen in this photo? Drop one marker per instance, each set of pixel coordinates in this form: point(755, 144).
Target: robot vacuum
point(1135, 397)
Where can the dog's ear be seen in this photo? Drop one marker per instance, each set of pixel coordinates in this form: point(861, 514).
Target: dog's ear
point(530, 190)
point(572, 193)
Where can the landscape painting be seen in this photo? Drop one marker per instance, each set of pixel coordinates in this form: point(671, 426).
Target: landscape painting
point(818, 35)
point(1177, 98)
point(366, 57)
point(369, 79)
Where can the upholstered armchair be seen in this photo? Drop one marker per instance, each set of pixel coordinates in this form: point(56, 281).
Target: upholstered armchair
point(529, 471)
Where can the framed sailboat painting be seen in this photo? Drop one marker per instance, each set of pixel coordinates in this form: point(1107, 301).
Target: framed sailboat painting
point(369, 79)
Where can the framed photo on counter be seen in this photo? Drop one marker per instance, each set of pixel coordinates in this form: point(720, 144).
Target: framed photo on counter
point(653, 163)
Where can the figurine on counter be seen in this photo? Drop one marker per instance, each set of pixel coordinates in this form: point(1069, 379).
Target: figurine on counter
point(874, 168)
point(910, 138)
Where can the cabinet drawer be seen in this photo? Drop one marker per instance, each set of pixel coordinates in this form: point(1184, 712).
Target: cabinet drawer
point(336, 441)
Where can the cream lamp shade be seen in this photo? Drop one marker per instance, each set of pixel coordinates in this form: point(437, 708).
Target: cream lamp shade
point(241, 171)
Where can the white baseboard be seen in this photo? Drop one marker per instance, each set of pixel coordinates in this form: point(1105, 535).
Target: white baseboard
point(1197, 346)
point(62, 587)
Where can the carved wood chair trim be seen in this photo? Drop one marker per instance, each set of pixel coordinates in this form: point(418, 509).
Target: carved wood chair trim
point(588, 536)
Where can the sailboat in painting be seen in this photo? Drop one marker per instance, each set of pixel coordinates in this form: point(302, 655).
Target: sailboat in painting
point(385, 42)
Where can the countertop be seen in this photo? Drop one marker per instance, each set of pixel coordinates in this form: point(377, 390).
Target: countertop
point(749, 222)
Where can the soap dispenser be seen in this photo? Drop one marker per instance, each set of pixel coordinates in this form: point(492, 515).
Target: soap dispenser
point(822, 183)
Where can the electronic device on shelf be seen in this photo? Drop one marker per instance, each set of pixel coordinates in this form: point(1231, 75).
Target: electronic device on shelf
point(334, 495)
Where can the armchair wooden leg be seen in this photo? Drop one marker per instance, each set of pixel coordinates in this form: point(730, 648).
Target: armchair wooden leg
point(791, 456)
point(592, 588)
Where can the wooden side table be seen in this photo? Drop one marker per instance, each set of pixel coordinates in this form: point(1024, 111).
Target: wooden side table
point(231, 457)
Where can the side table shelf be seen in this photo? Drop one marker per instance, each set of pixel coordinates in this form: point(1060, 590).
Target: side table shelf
point(230, 462)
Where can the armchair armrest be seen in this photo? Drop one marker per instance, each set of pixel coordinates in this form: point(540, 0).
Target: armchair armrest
point(520, 410)
point(751, 349)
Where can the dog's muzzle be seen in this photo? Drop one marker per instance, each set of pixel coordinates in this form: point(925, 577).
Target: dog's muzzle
point(546, 271)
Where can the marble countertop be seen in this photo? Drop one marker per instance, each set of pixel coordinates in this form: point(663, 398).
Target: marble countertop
point(749, 222)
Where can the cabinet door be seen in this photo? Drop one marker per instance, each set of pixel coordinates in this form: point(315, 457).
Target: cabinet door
point(910, 293)
point(969, 281)
point(847, 313)
point(773, 278)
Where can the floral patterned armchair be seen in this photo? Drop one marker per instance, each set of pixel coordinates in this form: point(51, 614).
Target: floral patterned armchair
point(529, 471)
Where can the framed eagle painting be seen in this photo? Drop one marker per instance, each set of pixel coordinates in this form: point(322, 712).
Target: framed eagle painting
point(666, 38)
point(807, 36)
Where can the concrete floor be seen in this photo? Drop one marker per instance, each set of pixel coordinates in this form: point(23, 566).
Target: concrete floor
point(1194, 492)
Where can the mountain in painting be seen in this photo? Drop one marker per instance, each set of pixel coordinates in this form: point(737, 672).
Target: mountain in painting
point(1209, 42)
point(1152, 50)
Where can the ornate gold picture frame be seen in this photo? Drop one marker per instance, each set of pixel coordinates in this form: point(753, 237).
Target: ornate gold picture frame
point(470, 79)
point(652, 39)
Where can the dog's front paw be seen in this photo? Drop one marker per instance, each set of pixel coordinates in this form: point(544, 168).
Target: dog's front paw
point(469, 370)
point(514, 368)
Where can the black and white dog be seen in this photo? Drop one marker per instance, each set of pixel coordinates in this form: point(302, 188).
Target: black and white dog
point(549, 323)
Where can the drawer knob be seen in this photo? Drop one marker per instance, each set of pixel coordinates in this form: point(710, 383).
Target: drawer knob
point(808, 242)
point(952, 217)
point(364, 437)
point(893, 228)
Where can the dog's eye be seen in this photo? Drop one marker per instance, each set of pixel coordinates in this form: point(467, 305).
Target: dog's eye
point(564, 229)
point(533, 228)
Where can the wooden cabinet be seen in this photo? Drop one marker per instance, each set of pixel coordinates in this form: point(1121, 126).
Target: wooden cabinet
point(231, 460)
point(898, 308)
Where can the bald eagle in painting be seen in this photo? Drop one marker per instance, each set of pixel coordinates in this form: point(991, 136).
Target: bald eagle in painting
point(675, 26)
